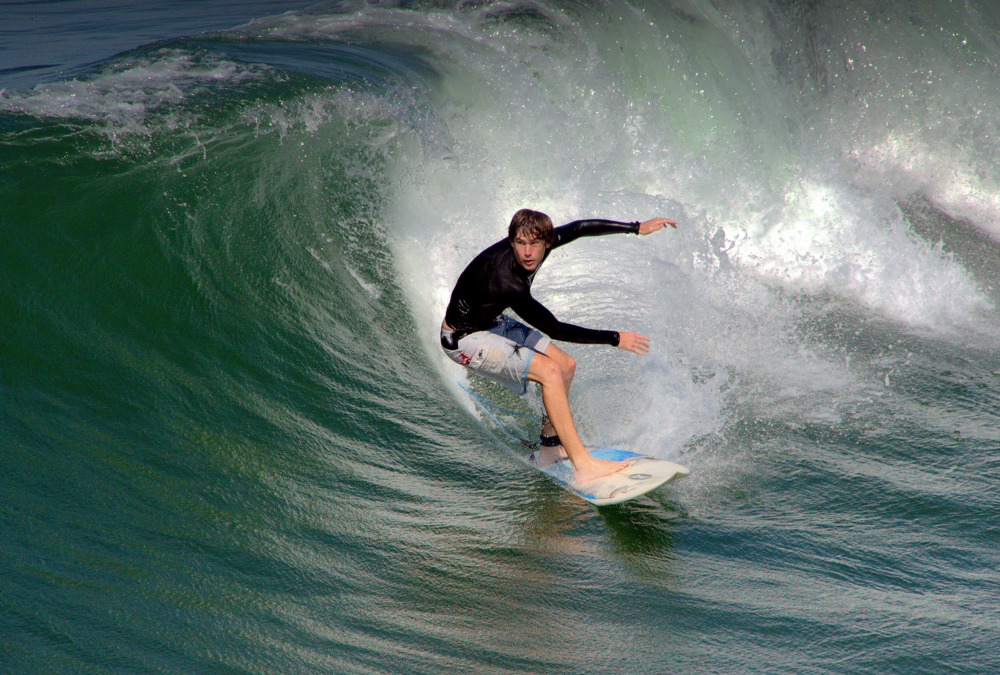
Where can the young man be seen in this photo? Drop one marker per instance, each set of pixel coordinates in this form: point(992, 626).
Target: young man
point(477, 334)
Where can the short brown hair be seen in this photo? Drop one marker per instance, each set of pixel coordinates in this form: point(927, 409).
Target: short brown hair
point(532, 224)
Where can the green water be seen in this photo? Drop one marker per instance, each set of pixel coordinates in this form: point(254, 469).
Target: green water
point(229, 445)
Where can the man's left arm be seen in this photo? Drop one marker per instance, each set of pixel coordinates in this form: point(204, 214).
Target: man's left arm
point(597, 227)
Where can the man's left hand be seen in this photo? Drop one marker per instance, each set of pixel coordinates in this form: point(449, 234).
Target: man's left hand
point(655, 224)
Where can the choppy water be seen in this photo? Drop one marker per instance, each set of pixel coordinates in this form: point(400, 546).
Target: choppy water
point(230, 443)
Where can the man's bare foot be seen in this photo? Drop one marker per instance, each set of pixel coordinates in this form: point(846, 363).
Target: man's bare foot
point(592, 468)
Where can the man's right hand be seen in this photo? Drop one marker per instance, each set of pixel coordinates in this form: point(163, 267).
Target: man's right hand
point(633, 342)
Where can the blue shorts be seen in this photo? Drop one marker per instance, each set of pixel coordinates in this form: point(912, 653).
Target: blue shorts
point(502, 353)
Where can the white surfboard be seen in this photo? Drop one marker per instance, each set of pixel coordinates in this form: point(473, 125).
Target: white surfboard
point(643, 474)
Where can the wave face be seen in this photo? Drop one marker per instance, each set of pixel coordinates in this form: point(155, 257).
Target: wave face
point(232, 444)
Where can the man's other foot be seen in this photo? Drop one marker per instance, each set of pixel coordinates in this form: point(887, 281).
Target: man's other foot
point(549, 455)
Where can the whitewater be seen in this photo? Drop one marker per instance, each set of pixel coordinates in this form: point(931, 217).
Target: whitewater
point(232, 443)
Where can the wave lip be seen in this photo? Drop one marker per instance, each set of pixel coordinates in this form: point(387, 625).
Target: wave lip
point(828, 240)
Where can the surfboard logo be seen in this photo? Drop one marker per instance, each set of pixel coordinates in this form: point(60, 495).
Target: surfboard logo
point(619, 490)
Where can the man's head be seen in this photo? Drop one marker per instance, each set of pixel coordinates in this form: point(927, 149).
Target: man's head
point(530, 233)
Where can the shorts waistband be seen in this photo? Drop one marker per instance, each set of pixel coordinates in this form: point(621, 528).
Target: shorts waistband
point(450, 338)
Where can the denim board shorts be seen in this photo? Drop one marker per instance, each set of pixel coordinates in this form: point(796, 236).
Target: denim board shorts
point(502, 353)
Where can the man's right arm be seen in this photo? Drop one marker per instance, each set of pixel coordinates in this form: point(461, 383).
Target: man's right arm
point(541, 318)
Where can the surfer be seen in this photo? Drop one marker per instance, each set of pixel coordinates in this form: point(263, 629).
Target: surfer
point(477, 334)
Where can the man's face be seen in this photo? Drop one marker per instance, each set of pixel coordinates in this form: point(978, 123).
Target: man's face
point(528, 251)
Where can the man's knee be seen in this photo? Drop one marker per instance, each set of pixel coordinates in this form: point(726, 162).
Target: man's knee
point(547, 371)
point(569, 366)
point(566, 362)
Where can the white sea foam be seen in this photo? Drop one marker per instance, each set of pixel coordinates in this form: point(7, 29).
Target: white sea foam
point(133, 96)
point(829, 238)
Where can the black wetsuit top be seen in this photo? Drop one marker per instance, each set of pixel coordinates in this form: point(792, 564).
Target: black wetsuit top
point(494, 281)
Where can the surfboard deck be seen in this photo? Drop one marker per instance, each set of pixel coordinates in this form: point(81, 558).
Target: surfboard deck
point(644, 474)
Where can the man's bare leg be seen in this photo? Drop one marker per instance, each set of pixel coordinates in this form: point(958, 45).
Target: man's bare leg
point(550, 454)
point(547, 371)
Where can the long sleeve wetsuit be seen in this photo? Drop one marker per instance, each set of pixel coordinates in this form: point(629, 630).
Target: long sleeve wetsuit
point(494, 281)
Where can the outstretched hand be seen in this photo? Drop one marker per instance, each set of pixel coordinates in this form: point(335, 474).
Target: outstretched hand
point(633, 342)
point(655, 224)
